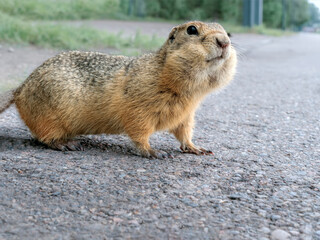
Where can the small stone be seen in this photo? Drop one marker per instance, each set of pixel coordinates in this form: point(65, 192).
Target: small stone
point(318, 233)
point(262, 213)
point(294, 232)
point(274, 217)
point(280, 234)
point(122, 175)
point(307, 229)
point(133, 222)
point(56, 194)
point(141, 170)
point(265, 230)
point(161, 226)
point(83, 211)
point(235, 197)
point(263, 155)
point(244, 154)
point(117, 220)
point(10, 49)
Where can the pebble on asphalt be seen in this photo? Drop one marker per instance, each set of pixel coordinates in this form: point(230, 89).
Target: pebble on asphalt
point(280, 234)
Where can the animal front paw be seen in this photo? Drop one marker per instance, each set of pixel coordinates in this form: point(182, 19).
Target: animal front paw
point(195, 150)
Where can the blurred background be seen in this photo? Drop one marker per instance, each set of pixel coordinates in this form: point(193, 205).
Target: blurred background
point(42, 28)
point(47, 22)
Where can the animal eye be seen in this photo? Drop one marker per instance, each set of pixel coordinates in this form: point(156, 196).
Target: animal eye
point(192, 30)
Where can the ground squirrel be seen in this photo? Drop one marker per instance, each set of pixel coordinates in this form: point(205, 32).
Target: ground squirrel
point(76, 93)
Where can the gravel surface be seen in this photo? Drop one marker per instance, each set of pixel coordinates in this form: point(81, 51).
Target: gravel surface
point(262, 183)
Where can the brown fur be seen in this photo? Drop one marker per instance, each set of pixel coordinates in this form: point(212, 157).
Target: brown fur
point(77, 93)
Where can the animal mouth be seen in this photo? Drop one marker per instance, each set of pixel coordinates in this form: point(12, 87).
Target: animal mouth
point(215, 58)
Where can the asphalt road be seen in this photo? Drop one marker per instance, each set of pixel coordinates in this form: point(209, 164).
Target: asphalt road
point(262, 183)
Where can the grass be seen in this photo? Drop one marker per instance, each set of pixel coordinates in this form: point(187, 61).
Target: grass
point(94, 9)
point(60, 9)
point(269, 31)
point(46, 34)
point(15, 30)
point(68, 10)
point(17, 25)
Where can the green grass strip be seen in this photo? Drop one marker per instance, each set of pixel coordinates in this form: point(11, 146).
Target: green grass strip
point(60, 9)
point(15, 30)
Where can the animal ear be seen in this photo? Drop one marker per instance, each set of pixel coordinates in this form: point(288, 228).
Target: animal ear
point(172, 34)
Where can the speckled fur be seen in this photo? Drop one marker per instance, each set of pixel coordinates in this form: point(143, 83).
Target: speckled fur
point(77, 93)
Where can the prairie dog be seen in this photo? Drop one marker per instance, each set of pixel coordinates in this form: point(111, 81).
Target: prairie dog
point(77, 93)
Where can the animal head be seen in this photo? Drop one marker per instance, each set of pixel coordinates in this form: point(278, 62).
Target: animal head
point(198, 44)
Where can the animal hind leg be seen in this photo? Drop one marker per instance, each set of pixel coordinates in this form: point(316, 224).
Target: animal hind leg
point(66, 145)
point(52, 133)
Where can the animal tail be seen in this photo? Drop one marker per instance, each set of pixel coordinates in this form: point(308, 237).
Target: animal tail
point(6, 99)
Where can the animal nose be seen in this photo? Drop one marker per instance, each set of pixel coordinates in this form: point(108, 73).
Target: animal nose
point(223, 43)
